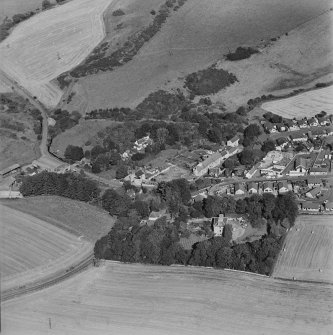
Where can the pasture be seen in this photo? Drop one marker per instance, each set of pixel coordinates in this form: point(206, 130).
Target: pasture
point(305, 104)
point(12, 7)
point(308, 251)
point(194, 37)
point(32, 249)
point(50, 43)
point(137, 299)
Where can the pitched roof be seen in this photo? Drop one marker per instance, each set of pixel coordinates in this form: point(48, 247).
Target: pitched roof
point(310, 205)
point(252, 185)
point(268, 184)
point(234, 139)
point(283, 183)
point(315, 191)
point(211, 159)
point(239, 186)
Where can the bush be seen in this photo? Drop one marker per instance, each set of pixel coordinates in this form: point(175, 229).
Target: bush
point(73, 153)
point(241, 53)
point(118, 12)
point(209, 81)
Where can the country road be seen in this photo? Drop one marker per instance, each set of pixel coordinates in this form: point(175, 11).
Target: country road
point(44, 149)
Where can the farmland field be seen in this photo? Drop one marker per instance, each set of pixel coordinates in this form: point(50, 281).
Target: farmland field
point(41, 48)
point(192, 38)
point(305, 104)
point(74, 216)
point(32, 249)
point(137, 299)
point(307, 252)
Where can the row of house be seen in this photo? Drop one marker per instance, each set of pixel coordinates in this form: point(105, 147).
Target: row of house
point(310, 206)
point(294, 125)
point(267, 187)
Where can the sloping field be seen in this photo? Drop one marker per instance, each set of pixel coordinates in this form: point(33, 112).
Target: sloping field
point(198, 34)
point(309, 249)
point(305, 104)
point(52, 42)
point(12, 7)
point(74, 216)
point(31, 249)
point(138, 299)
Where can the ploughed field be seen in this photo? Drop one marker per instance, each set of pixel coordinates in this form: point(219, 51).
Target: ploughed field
point(32, 249)
point(194, 37)
point(304, 104)
point(139, 299)
point(308, 251)
point(50, 43)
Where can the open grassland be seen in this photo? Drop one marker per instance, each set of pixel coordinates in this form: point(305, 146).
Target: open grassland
point(198, 34)
point(32, 249)
point(305, 104)
point(74, 216)
point(298, 59)
point(138, 299)
point(309, 247)
point(83, 134)
point(50, 43)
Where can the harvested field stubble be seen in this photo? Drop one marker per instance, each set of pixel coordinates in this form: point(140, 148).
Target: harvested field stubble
point(52, 42)
point(305, 104)
point(32, 249)
point(308, 251)
point(138, 299)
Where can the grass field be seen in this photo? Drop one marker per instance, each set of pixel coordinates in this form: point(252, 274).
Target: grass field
point(305, 104)
point(76, 217)
point(11, 7)
point(32, 249)
point(193, 38)
point(79, 135)
point(309, 247)
point(50, 43)
point(137, 299)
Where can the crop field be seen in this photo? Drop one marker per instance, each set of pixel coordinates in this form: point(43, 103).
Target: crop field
point(309, 250)
point(192, 38)
point(137, 299)
point(74, 216)
point(31, 248)
point(305, 104)
point(50, 43)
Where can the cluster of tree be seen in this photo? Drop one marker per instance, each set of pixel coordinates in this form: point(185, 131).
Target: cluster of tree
point(209, 81)
point(251, 133)
point(99, 60)
point(241, 53)
point(64, 120)
point(67, 185)
point(116, 114)
point(276, 210)
point(273, 118)
point(118, 12)
point(73, 153)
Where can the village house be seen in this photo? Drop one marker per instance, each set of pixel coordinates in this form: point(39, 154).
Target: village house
point(319, 132)
point(329, 206)
point(299, 137)
point(302, 123)
point(270, 128)
point(324, 121)
point(281, 127)
point(214, 172)
point(268, 187)
point(283, 187)
point(310, 206)
point(313, 193)
point(329, 130)
point(281, 142)
point(234, 150)
point(212, 161)
point(291, 124)
point(313, 182)
point(251, 173)
point(142, 143)
point(239, 189)
point(252, 188)
point(318, 171)
point(313, 122)
point(233, 142)
point(218, 224)
point(302, 164)
point(225, 154)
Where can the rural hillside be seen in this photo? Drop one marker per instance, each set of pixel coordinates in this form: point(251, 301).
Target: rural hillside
point(166, 167)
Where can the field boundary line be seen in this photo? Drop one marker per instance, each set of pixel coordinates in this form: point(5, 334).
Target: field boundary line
point(303, 281)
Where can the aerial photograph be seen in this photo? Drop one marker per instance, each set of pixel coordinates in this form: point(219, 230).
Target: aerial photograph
point(166, 167)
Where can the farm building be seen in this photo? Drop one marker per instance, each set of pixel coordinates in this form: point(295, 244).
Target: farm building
point(233, 142)
point(212, 161)
point(10, 169)
point(311, 206)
